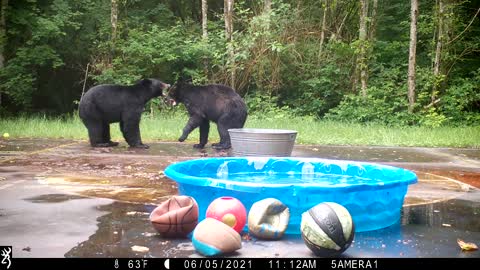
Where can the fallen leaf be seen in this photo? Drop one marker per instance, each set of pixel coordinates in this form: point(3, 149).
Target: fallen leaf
point(140, 249)
point(247, 237)
point(466, 246)
point(131, 213)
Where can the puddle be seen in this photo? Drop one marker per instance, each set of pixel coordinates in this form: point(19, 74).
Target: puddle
point(119, 189)
point(120, 230)
point(456, 214)
point(53, 198)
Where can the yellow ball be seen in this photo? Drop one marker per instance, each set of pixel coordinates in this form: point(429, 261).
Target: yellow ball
point(6, 135)
point(229, 219)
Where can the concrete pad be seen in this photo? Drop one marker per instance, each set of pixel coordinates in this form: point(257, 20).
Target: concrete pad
point(62, 198)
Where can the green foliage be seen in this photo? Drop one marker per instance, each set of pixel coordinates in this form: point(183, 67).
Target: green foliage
point(266, 107)
point(461, 101)
point(150, 51)
point(279, 66)
point(37, 52)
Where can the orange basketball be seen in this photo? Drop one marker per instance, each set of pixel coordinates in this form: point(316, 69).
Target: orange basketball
point(175, 217)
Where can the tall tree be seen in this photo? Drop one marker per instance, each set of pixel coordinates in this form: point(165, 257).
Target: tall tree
point(362, 38)
point(268, 6)
point(267, 9)
point(204, 19)
point(205, 32)
point(373, 21)
point(412, 54)
point(322, 32)
point(114, 19)
point(3, 36)
point(228, 13)
point(438, 50)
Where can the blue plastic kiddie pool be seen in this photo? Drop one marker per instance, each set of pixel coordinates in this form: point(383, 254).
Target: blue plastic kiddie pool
point(372, 193)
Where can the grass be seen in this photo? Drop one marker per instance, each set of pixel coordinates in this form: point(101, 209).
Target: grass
point(169, 128)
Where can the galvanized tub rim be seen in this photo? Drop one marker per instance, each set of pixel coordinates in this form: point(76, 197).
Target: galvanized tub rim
point(263, 130)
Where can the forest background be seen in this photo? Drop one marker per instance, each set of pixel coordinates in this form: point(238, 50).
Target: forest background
point(396, 63)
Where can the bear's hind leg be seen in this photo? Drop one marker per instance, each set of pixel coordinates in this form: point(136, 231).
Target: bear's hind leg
point(130, 128)
point(193, 123)
point(223, 125)
point(106, 135)
point(95, 134)
point(204, 130)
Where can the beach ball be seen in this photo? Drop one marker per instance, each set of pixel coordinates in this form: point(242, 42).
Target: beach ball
point(175, 217)
point(228, 210)
point(268, 219)
point(327, 229)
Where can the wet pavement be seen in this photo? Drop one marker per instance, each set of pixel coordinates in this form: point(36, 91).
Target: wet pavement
point(62, 198)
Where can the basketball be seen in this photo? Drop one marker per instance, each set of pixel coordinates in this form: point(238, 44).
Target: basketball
point(175, 217)
point(327, 229)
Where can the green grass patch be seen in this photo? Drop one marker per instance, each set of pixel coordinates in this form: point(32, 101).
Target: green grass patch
point(310, 131)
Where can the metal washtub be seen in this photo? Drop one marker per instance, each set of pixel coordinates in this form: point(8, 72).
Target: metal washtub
point(262, 142)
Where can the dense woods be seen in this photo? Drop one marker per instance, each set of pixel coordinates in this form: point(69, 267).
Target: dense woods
point(392, 62)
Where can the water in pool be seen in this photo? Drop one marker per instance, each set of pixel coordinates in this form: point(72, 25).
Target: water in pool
point(268, 178)
point(305, 176)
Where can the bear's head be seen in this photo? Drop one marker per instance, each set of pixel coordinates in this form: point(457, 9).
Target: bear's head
point(175, 93)
point(155, 86)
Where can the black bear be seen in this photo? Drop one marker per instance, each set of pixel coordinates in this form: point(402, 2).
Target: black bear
point(110, 103)
point(204, 103)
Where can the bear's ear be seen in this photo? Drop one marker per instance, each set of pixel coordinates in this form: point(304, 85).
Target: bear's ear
point(184, 79)
point(146, 82)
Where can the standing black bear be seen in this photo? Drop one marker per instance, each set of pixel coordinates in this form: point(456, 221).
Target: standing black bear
point(108, 103)
point(217, 103)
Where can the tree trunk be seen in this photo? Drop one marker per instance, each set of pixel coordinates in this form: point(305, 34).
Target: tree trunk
point(3, 36)
point(228, 13)
point(362, 62)
point(438, 50)
point(373, 21)
point(114, 19)
point(205, 33)
point(204, 19)
point(267, 9)
point(268, 6)
point(322, 32)
point(412, 55)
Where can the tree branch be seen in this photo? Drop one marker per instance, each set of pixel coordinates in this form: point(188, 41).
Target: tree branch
point(465, 28)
